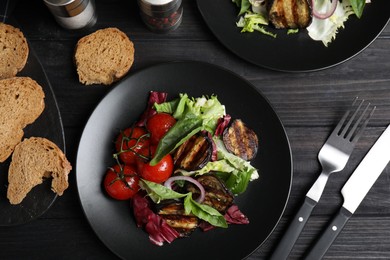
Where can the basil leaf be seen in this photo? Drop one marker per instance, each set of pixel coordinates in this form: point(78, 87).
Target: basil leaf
point(245, 5)
point(178, 134)
point(158, 192)
point(204, 212)
point(358, 7)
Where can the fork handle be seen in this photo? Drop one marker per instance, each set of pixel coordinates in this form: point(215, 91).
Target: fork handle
point(329, 235)
point(295, 228)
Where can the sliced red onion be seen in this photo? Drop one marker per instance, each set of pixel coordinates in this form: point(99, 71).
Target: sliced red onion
point(168, 183)
point(328, 13)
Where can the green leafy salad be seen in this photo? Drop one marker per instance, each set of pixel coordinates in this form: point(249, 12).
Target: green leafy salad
point(327, 17)
point(182, 164)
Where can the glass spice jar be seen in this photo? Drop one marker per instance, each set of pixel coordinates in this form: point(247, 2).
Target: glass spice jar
point(73, 14)
point(161, 16)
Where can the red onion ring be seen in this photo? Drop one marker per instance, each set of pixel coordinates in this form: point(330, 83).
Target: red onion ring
point(328, 13)
point(168, 183)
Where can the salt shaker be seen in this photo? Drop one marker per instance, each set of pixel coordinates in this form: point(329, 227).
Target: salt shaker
point(73, 14)
point(161, 16)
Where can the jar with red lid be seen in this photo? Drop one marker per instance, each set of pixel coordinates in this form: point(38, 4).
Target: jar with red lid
point(161, 16)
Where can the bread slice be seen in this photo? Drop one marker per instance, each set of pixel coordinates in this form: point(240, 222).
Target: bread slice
point(13, 51)
point(104, 56)
point(33, 160)
point(21, 103)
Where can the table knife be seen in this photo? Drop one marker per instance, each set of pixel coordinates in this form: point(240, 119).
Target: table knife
point(354, 191)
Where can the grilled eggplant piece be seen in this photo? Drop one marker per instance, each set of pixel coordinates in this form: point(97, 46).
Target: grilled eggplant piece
point(193, 154)
point(290, 13)
point(241, 140)
point(217, 195)
point(173, 213)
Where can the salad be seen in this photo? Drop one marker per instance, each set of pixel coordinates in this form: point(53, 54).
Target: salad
point(181, 165)
point(321, 18)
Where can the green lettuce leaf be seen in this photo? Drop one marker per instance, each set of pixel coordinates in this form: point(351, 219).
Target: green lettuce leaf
point(251, 22)
point(204, 212)
point(237, 181)
point(193, 115)
point(234, 171)
point(158, 192)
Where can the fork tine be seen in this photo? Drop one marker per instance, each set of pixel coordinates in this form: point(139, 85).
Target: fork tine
point(352, 131)
point(352, 118)
point(341, 123)
point(342, 120)
point(359, 133)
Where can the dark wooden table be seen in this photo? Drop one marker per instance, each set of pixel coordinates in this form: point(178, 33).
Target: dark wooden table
point(309, 105)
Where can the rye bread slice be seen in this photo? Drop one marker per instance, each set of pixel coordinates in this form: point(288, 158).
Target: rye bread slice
point(13, 51)
point(33, 160)
point(21, 103)
point(104, 56)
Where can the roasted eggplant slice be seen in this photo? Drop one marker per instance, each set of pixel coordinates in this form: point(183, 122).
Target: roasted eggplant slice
point(193, 154)
point(290, 13)
point(241, 140)
point(217, 195)
point(173, 213)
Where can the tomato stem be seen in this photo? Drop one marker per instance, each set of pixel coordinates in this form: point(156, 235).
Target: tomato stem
point(121, 176)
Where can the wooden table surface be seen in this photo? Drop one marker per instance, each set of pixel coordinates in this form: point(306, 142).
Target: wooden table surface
point(309, 105)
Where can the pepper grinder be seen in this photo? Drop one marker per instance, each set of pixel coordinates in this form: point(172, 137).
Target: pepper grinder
point(73, 14)
point(161, 16)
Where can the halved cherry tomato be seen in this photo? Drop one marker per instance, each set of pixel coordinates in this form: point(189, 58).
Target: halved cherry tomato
point(130, 142)
point(157, 173)
point(121, 182)
point(158, 125)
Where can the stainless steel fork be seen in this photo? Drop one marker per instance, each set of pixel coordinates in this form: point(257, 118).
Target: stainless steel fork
point(333, 157)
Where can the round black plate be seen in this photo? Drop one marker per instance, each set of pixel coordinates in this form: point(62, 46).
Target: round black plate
point(48, 125)
point(294, 52)
point(263, 202)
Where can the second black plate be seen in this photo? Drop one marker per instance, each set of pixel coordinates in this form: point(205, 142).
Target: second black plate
point(294, 52)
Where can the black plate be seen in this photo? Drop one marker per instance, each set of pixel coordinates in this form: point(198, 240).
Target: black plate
point(48, 125)
point(296, 52)
point(263, 202)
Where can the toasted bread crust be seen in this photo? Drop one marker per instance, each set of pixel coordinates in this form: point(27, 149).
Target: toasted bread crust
point(21, 103)
point(14, 51)
point(104, 56)
point(33, 160)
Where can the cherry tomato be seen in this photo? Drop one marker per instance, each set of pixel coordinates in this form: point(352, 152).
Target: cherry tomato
point(121, 182)
point(131, 140)
point(158, 125)
point(157, 173)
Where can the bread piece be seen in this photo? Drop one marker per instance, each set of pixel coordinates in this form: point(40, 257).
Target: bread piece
point(104, 56)
point(21, 103)
point(33, 160)
point(13, 51)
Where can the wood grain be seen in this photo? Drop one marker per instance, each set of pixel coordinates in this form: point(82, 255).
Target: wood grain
point(309, 105)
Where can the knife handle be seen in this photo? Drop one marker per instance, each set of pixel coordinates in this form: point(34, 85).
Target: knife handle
point(329, 235)
point(295, 228)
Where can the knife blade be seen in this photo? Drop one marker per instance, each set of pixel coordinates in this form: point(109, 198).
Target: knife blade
point(354, 191)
